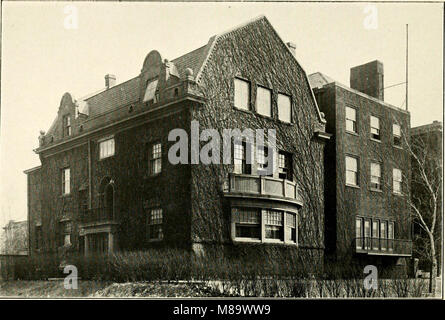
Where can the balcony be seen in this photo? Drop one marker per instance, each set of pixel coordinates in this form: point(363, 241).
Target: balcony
point(99, 215)
point(384, 247)
point(250, 186)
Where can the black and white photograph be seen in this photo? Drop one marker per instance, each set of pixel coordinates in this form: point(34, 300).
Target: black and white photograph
point(224, 150)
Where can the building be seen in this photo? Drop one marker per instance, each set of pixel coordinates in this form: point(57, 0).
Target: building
point(15, 238)
point(367, 170)
point(426, 143)
point(106, 183)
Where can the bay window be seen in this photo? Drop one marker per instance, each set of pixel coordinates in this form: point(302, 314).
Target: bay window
point(264, 225)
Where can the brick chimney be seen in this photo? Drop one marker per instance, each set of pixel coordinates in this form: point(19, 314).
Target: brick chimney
point(110, 80)
point(368, 78)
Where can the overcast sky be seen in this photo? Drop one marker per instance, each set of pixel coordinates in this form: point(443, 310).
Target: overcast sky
point(41, 59)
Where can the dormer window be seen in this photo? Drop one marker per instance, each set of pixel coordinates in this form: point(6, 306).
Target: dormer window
point(67, 125)
point(151, 94)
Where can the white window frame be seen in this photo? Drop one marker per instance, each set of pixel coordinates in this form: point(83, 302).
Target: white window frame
point(397, 136)
point(375, 128)
point(66, 181)
point(241, 94)
point(264, 101)
point(156, 159)
point(155, 219)
point(106, 148)
point(359, 233)
point(356, 172)
point(286, 228)
point(284, 103)
point(376, 177)
point(396, 181)
point(351, 120)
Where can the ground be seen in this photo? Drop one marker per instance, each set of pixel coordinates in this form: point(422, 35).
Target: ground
point(55, 288)
point(183, 289)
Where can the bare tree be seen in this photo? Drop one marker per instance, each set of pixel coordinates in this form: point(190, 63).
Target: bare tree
point(425, 196)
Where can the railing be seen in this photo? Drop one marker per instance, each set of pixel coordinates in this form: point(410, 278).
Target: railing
point(99, 214)
point(263, 186)
point(379, 246)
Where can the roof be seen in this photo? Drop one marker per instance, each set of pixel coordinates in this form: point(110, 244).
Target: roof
point(108, 100)
point(317, 80)
point(430, 127)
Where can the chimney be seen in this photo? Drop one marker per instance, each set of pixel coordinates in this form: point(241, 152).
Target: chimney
point(110, 80)
point(368, 78)
point(292, 47)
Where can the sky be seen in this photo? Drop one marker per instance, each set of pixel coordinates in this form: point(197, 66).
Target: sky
point(45, 53)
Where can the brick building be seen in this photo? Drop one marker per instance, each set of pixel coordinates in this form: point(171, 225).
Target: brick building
point(366, 167)
point(105, 182)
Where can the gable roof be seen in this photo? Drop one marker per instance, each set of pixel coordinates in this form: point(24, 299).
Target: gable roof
point(109, 100)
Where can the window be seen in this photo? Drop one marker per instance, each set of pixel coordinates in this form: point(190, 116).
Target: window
point(291, 227)
point(375, 234)
point(263, 168)
point(351, 120)
point(359, 233)
point(375, 128)
point(67, 125)
point(242, 94)
point(397, 135)
point(397, 180)
point(274, 224)
point(150, 92)
point(239, 158)
point(264, 225)
point(351, 171)
point(247, 223)
point(155, 224)
point(66, 181)
point(264, 101)
point(390, 236)
point(285, 165)
point(367, 233)
point(156, 159)
point(106, 148)
point(376, 176)
point(383, 234)
point(284, 108)
point(66, 233)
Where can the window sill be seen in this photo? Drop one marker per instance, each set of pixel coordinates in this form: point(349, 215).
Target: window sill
point(352, 186)
point(266, 241)
point(105, 158)
point(154, 240)
point(375, 140)
point(285, 122)
point(376, 190)
point(149, 176)
point(398, 147)
point(352, 133)
point(243, 110)
point(398, 194)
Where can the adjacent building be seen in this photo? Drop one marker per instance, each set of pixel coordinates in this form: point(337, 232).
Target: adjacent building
point(106, 183)
point(14, 238)
point(367, 170)
point(426, 143)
